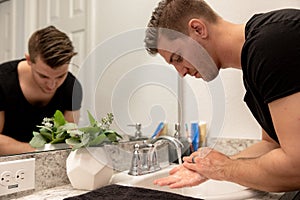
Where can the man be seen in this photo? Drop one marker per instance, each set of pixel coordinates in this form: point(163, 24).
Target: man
point(267, 50)
point(35, 87)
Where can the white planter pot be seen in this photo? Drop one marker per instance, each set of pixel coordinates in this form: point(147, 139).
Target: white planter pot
point(49, 147)
point(89, 168)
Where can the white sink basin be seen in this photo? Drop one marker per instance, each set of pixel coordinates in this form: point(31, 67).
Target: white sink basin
point(208, 190)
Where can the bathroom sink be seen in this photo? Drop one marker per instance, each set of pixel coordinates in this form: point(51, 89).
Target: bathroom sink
point(210, 189)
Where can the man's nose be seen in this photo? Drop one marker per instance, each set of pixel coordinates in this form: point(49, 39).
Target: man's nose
point(181, 70)
point(51, 84)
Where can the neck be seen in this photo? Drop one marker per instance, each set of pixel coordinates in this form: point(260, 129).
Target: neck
point(228, 40)
point(29, 87)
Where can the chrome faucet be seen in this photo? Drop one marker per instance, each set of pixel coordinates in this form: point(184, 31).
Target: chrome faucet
point(145, 160)
point(177, 144)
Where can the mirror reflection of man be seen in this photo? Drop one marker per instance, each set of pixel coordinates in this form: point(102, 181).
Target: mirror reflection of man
point(35, 87)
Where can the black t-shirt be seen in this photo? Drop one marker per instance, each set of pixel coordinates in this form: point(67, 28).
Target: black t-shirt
point(21, 117)
point(271, 62)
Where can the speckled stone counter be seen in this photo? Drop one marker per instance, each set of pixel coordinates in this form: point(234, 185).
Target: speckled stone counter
point(52, 182)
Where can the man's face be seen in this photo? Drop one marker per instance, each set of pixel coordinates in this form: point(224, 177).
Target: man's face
point(188, 57)
point(47, 78)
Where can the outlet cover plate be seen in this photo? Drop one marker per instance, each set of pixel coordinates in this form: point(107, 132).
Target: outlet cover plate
point(17, 176)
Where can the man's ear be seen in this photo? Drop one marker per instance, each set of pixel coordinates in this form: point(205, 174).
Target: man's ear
point(27, 57)
point(198, 28)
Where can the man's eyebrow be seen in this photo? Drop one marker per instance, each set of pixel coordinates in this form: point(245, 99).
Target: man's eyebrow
point(61, 75)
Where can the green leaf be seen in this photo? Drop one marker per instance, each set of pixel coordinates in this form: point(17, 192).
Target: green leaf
point(45, 129)
point(57, 140)
point(119, 136)
point(68, 126)
point(59, 118)
point(112, 135)
point(37, 141)
point(91, 130)
point(85, 139)
point(75, 133)
point(98, 140)
point(63, 135)
point(92, 120)
point(74, 143)
point(47, 136)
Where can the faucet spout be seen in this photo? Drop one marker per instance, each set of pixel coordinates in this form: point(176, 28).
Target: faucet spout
point(173, 141)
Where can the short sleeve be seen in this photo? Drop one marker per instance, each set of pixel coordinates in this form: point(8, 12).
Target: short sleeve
point(69, 95)
point(277, 60)
point(76, 95)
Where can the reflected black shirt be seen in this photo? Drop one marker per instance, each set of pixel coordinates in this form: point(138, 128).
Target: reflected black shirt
point(21, 117)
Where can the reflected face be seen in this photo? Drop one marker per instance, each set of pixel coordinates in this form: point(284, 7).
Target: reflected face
point(47, 78)
point(188, 57)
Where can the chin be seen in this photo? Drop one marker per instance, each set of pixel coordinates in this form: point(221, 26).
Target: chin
point(49, 91)
point(211, 76)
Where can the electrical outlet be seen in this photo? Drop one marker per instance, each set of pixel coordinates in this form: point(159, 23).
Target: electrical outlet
point(17, 176)
point(6, 178)
point(20, 176)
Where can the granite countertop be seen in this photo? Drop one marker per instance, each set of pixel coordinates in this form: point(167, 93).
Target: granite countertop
point(56, 193)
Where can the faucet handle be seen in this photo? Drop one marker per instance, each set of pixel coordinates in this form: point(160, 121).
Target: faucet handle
point(138, 127)
point(177, 131)
point(135, 162)
point(152, 159)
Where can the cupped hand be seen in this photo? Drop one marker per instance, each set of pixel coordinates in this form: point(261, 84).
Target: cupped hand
point(211, 164)
point(180, 177)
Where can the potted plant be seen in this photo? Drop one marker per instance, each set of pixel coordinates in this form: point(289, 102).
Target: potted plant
point(88, 166)
point(57, 130)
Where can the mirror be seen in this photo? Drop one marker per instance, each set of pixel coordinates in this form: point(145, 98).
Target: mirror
point(114, 79)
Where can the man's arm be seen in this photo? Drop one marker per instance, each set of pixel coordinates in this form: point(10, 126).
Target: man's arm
point(72, 116)
point(266, 145)
point(281, 166)
point(277, 170)
point(9, 145)
point(2, 120)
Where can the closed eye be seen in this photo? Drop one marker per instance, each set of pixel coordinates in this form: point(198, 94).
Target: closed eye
point(43, 76)
point(46, 77)
point(176, 58)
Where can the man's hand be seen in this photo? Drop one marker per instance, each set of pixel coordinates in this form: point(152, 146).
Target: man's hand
point(181, 177)
point(209, 163)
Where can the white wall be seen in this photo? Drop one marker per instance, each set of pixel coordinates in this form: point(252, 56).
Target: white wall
point(238, 121)
point(134, 86)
